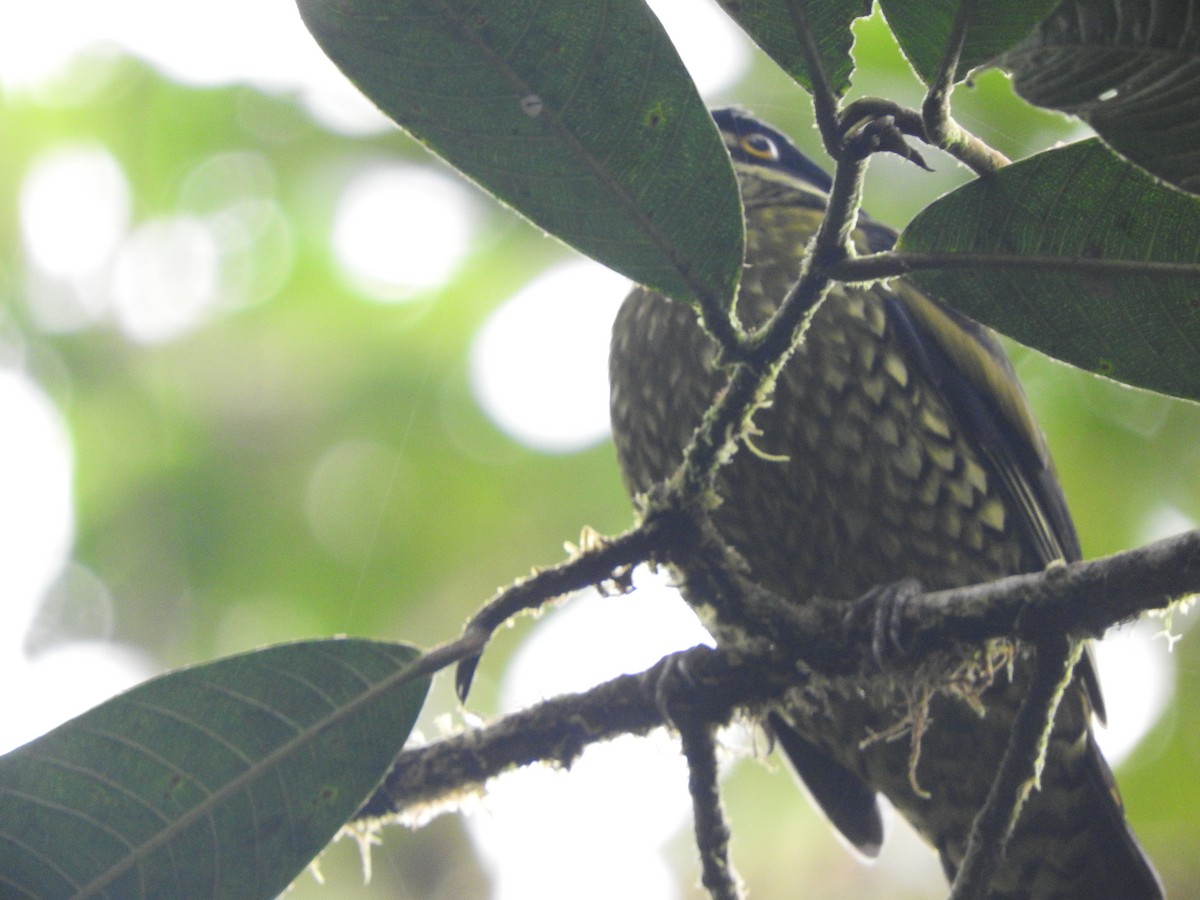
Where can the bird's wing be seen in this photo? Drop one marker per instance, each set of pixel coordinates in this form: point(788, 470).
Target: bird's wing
point(971, 370)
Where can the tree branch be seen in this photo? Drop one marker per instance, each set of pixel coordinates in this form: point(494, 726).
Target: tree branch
point(940, 126)
point(712, 830)
point(817, 637)
point(1019, 769)
point(907, 120)
point(825, 100)
point(557, 730)
point(1082, 599)
point(598, 561)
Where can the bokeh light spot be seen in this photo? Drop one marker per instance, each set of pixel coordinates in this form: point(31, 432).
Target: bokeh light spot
point(715, 51)
point(77, 607)
point(64, 681)
point(167, 278)
point(36, 516)
point(1136, 667)
point(399, 230)
point(225, 179)
point(233, 194)
point(1164, 522)
point(36, 530)
point(1140, 412)
point(539, 364)
point(522, 835)
point(258, 621)
point(1137, 674)
point(74, 210)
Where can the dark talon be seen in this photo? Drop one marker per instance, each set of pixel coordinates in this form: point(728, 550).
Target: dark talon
point(464, 674)
point(886, 603)
point(882, 135)
point(675, 681)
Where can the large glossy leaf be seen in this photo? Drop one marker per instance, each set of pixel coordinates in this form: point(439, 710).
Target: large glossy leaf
point(1131, 70)
point(222, 780)
point(922, 28)
point(774, 26)
point(1080, 207)
point(579, 115)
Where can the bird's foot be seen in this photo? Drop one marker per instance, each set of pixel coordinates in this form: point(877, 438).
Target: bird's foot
point(673, 688)
point(885, 604)
point(881, 134)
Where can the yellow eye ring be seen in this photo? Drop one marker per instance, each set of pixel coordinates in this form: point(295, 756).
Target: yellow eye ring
point(759, 146)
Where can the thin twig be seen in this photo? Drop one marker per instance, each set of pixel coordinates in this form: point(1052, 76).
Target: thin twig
point(1077, 599)
point(752, 376)
point(775, 339)
point(590, 566)
point(935, 111)
point(973, 152)
point(751, 382)
point(556, 731)
point(712, 830)
point(940, 127)
point(1019, 770)
point(1080, 599)
point(720, 324)
point(825, 99)
point(832, 241)
point(907, 120)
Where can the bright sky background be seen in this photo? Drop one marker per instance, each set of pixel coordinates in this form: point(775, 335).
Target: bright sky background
point(78, 227)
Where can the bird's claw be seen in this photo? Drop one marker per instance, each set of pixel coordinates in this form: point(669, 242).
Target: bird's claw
point(885, 603)
point(673, 683)
point(881, 135)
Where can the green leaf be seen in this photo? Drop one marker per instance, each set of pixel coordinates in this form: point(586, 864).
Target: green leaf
point(1081, 207)
point(774, 27)
point(222, 780)
point(1130, 70)
point(922, 28)
point(579, 115)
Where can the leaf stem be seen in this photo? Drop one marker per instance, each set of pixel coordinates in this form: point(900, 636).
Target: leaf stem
point(875, 266)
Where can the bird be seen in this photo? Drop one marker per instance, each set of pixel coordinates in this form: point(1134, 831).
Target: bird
point(897, 444)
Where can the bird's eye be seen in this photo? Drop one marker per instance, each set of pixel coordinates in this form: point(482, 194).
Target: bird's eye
point(759, 146)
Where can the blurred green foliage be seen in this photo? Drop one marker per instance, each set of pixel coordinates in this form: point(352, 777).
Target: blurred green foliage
point(195, 457)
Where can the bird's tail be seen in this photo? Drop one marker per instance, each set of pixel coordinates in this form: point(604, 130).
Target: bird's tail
point(1072, 840)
